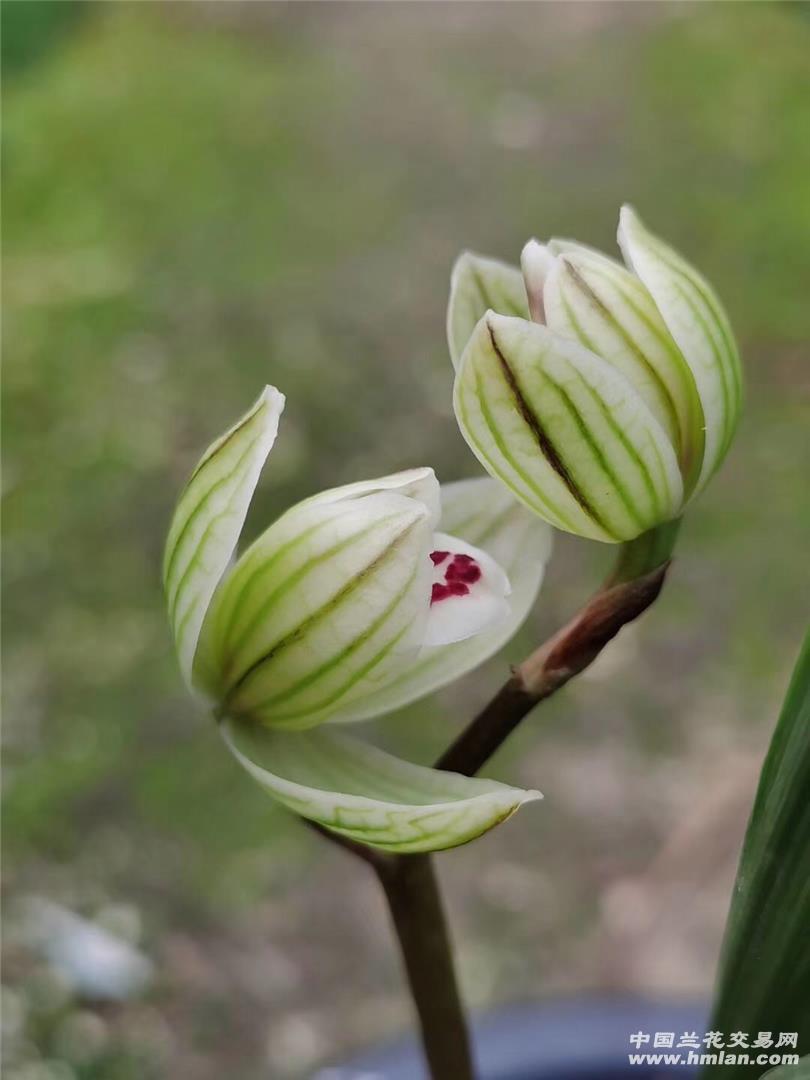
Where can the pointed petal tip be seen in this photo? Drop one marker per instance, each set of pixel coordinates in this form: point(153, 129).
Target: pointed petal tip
point(461, 260)
point(489, 321)
point(699, 325)
point(497, 324)
point(537, 261)
point(531, 244)
point(458, 262)
point(421, 472)
point(272, 396)
point(518, 798)
point(418, 484)
point(531, 795)
point(628, 219)
point(208, 520)
point(271, 402)
point(629, 222)
point(535, 248)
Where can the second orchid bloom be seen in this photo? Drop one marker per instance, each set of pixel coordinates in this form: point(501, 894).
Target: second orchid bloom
point(603, 396)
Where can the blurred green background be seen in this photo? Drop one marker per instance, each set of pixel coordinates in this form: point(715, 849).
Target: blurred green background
point(202, 197)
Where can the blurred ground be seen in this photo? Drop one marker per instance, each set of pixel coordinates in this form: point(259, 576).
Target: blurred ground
point(203, 197)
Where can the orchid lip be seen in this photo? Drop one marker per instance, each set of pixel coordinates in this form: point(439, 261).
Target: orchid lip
point(462, 572)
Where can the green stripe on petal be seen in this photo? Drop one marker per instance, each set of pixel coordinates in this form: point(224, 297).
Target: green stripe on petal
point(482, 512)
point(320, 609)
point(504, 448)
point(476, 285)
point(565, 431)
point(368, 795)
point(209, 518)
point(698, 323)
point(593, 300)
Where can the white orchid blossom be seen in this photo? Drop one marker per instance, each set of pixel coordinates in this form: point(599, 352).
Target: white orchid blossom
point(351, 604)
point(603, 396)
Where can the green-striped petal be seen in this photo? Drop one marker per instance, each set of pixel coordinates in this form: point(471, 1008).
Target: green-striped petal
point(476, 285)
point(322, 607)
point(482, 512)
point(698, 323)
point(592, 299)
point(367, 795)
point(209, 518)
point(565, 431)
point(420, 484)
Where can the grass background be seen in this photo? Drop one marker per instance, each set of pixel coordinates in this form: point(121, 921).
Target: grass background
point(200, 198)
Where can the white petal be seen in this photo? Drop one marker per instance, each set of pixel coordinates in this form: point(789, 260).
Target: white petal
point(483, 512)
point(561, 246)
point(698, 323)
point(470, 592)
point(477, 284)
point(536, 261)
point(592, 299)
point(209, 518)
point(322, 608)
point(363, 793)
point(420, 484)
point(565, 431)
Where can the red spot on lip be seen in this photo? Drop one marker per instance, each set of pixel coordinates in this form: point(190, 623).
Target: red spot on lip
point(463, 568)
point(462, 572)
point(458, 588)
point(454, 588)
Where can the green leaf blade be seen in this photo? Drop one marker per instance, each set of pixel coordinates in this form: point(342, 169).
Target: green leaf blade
point(765, 970)
point(800, 1071)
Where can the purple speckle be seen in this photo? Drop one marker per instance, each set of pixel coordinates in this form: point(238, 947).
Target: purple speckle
point(462, 572)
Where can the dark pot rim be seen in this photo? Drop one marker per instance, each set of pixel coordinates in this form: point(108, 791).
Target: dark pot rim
point(586, 1037)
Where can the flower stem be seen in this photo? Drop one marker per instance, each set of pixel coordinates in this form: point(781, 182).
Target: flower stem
point(414, 901)
point(412, 892)
point(631, 588)
point(647, 552)
point(409, 881)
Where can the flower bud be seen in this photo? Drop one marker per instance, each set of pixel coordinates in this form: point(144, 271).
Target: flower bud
point(349, 605)
point(617, 403)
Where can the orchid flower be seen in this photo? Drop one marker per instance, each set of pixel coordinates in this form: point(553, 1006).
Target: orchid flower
point(351, 604)
point(603, 396)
